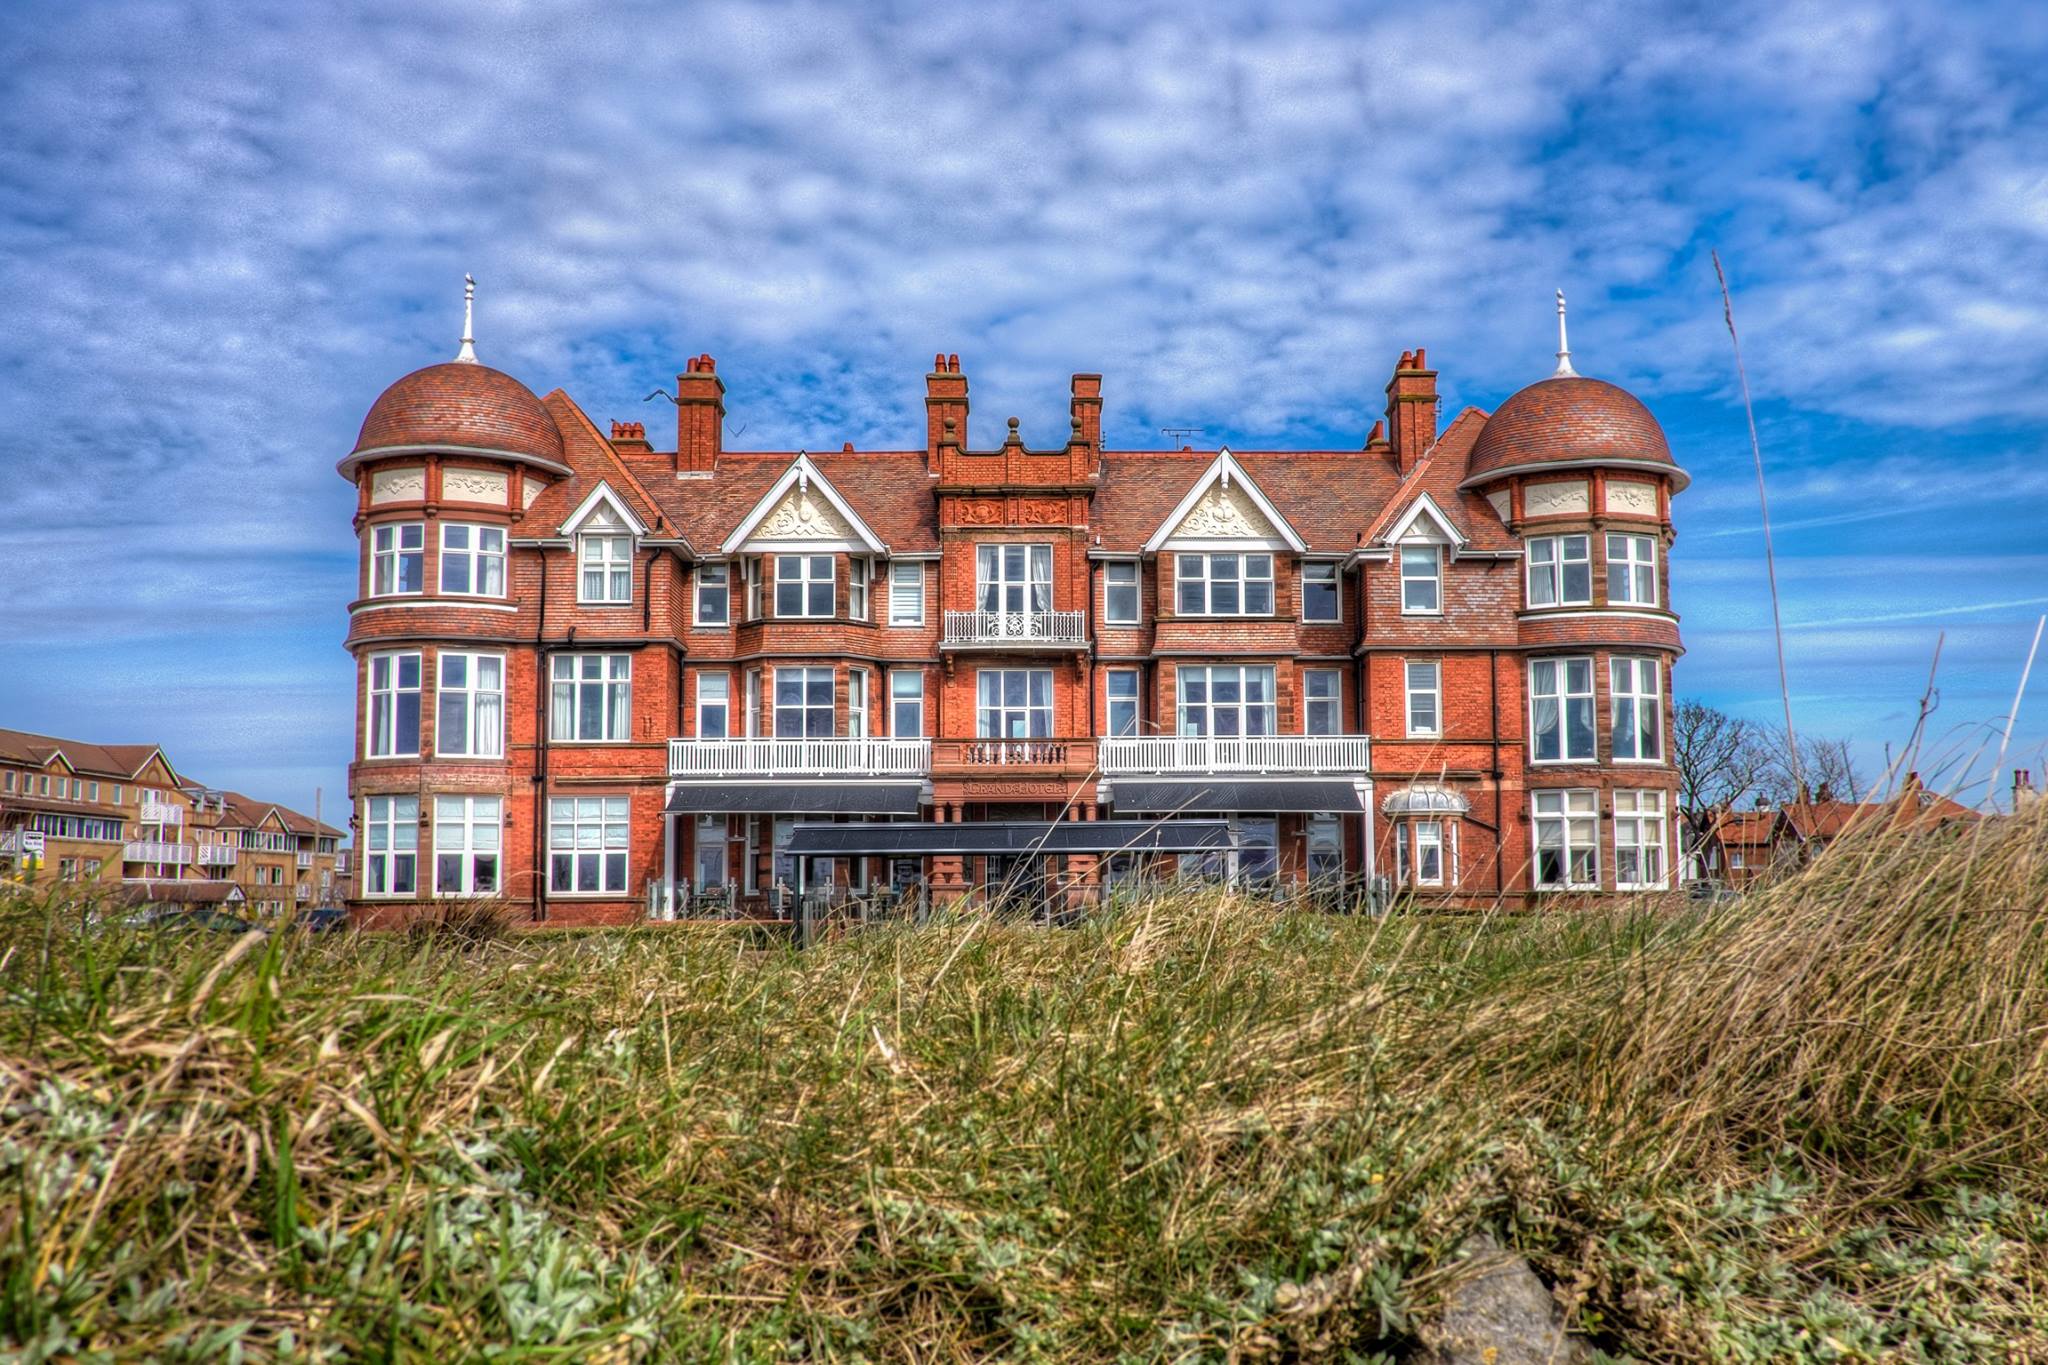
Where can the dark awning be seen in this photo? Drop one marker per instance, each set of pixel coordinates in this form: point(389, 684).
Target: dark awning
point(1011, 836)
point(799, 798)
point(1210, 794)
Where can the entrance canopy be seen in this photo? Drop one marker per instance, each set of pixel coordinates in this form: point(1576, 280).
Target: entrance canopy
point(798, 798)
point(1212, 794)
point(1011, 836)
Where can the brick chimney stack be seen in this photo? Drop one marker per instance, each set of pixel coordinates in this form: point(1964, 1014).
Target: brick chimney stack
point(700, 416)
point(945, 401)
point(2023, 793)
point(1411, 409)
point(630, 436)
point(1084, 402)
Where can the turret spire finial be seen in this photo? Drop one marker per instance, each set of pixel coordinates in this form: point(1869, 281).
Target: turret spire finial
point(467, 355)
point(1564, 348)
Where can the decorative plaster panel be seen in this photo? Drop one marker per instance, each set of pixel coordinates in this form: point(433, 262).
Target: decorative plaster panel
point(1226, 513)
point(1502, 504)
point(475, 485)
point(1637, 499)
point(1555, 499)
point(803, 515)
point(533, 489)
point(398, 485)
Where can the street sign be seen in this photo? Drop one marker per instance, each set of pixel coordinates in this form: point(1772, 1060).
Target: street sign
point(32, 841)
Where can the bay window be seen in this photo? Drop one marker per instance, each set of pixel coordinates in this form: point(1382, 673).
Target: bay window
point(468, 831)
point(1319, 592)
point(1639, 840)
point(803, 703)
point(714, 594)
point(1561, 711)
point(587, 845)
point(1013, 703)
point(1560, 571)
point(398, 559)
point(1120, 592)
point(803, 585)
point(472, 560)
point(607, 569)
point(1636, 709)
point(1631, 571)
point(1227, 700)
point(469, 697)
point(1424, 683)
point(1224, 584)
point(391, 842)
point(1422, 588)
point(592, 698)
point(394, 726)
point(1567, 825)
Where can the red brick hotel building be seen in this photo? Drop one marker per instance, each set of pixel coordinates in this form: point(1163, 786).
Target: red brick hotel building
point(603, 680)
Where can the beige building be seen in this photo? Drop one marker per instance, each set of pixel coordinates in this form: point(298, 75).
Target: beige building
point(122, 814)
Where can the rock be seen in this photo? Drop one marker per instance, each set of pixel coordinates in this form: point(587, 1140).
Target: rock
point(1499, 1313)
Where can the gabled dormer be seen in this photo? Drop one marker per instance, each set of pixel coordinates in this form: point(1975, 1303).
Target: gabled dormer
point(605, 534)
point(1225, 510)
point(802, 511)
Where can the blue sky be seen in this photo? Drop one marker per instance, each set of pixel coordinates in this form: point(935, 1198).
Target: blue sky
point(224, 228)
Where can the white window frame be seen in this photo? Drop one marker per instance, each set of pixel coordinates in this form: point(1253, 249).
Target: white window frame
point(482, 562)
point(1112, 702)
point(857, 575)
point(608, 557)
point(469, 829)
point(1333, 678)
point(750, 573)
point(857, 703)
point(906, 592)
point(994, 714)
point(1549, 564)
point(1430, 672)
point(612, 675)
point(1112, 570)
point(592, 831)
point(1573, 814)
point(1434, 843)
point(805, 581)
point(1013, 577)
point(1199, 572)
point(382, 703)
point(1640, 816)
point(388, 554)
point(1410, 557)
point(718, 681)
point(1635, 685)
point(906, 689)
point(1319, 570)
point(713, 583)
point(1634, 570)
point(391, 843)
point(806, 679)
point(1566, 698)
point(1242, 709)
point(482, 721)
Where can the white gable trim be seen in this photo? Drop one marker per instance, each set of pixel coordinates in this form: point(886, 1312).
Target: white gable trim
point(802, 471)
point(1424, 507)
point(601, 495)
point(1225, 467)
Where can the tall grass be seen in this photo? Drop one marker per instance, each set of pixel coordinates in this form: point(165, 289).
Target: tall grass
point(1809, 1126)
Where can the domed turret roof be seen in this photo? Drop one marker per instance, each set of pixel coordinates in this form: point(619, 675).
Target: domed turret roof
point(460, 405)
point(1571, 421)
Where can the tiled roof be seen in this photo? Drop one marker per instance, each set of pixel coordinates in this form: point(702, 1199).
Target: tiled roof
point(92, 760)
point(1563, 420)
point(461, 404)
point(246, 812)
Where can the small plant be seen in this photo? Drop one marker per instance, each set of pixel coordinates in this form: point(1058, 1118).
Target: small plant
point(464, 923)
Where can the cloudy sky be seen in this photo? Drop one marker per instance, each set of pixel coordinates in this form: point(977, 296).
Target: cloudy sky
point(225, 227)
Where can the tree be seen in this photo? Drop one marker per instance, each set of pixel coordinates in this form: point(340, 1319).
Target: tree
point(1824, 765)
point(1720, 760)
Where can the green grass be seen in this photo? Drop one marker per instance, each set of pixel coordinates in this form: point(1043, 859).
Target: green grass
point(1809, 1127)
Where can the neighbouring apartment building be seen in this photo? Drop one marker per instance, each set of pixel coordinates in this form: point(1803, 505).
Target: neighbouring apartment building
point(603, 680)
point(121, 814)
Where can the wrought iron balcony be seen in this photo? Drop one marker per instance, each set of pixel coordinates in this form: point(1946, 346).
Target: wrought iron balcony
point(766, 757)
point(1203, 754)
point(1016, 629)
point(150, 851)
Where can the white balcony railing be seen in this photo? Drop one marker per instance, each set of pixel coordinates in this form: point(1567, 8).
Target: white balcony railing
point(218, 855)
point(1236, 754)
point(303, 893)
point(799, 757)
point(161, 813)
point(150, 851)
point(1016, 628)
point(305, 860)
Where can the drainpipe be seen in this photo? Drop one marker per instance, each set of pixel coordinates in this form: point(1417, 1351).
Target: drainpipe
point(541, 689)
point(1493, 722)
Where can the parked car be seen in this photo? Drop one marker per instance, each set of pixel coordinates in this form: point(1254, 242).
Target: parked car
point(323, 919)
